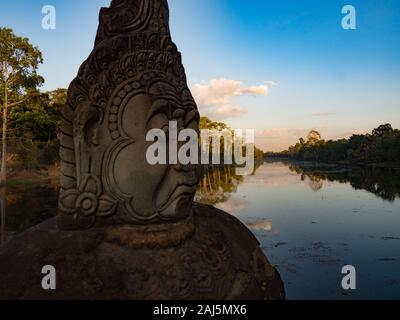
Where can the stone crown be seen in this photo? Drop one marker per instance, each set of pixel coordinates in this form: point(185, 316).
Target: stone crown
point(133, 16)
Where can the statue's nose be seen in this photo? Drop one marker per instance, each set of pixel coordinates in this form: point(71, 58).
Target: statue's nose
point(184, 167)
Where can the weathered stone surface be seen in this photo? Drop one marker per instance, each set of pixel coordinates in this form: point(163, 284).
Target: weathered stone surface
point(133, 81)
point(219, 259)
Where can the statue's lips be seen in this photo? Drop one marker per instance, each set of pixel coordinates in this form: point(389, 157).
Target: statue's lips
point(187, 189)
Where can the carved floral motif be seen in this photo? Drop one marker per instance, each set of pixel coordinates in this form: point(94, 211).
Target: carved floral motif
point(88, 200)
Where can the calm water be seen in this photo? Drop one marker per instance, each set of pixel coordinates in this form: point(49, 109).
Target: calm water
point(310, 220)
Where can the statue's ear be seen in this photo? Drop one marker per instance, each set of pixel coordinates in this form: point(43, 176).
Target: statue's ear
point(91, 126)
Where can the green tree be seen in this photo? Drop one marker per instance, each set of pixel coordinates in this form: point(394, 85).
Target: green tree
point(206, 123)
point(383, 130)
point(40, 116)
point(34, 128)
point(314, 137)
point(19, 61)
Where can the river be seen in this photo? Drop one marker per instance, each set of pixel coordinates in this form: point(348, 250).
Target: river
point(310, 219)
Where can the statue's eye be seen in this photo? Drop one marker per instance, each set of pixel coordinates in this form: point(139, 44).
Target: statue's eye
point(193, 125)
point(178, 114)
point(158, 121)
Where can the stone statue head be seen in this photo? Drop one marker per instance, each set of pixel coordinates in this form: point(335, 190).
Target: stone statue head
point(132, 82)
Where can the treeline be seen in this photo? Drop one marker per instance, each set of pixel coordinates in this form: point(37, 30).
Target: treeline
point(381, 146)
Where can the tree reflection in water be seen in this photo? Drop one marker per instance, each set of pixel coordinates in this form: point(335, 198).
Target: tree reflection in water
point(218, 182)
point(381, 181)
point(24, 206)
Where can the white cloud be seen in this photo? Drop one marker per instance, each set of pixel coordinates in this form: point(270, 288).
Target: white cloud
point(348, 134)
point(215, 97)
point(228, 111)
point(323, 114)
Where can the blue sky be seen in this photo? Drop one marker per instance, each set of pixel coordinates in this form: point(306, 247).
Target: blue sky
point(280, 67)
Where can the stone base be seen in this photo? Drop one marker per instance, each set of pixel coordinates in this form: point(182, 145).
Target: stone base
point(209, 256)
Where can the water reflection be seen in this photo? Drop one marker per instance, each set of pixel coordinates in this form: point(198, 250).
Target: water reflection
point(216, 184)
point(24, 206)
point(261, 225)
point(383, 182)
point(220, 183)
point(312, 219)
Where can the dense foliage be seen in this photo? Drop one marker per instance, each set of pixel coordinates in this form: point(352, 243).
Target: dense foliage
point(379, 147)
point(34, 127)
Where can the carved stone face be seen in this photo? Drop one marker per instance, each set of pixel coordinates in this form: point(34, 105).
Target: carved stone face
point(148, 192)
point(132, 82)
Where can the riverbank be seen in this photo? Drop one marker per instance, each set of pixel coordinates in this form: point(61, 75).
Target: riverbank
point(391, 165)
point(48, 174)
